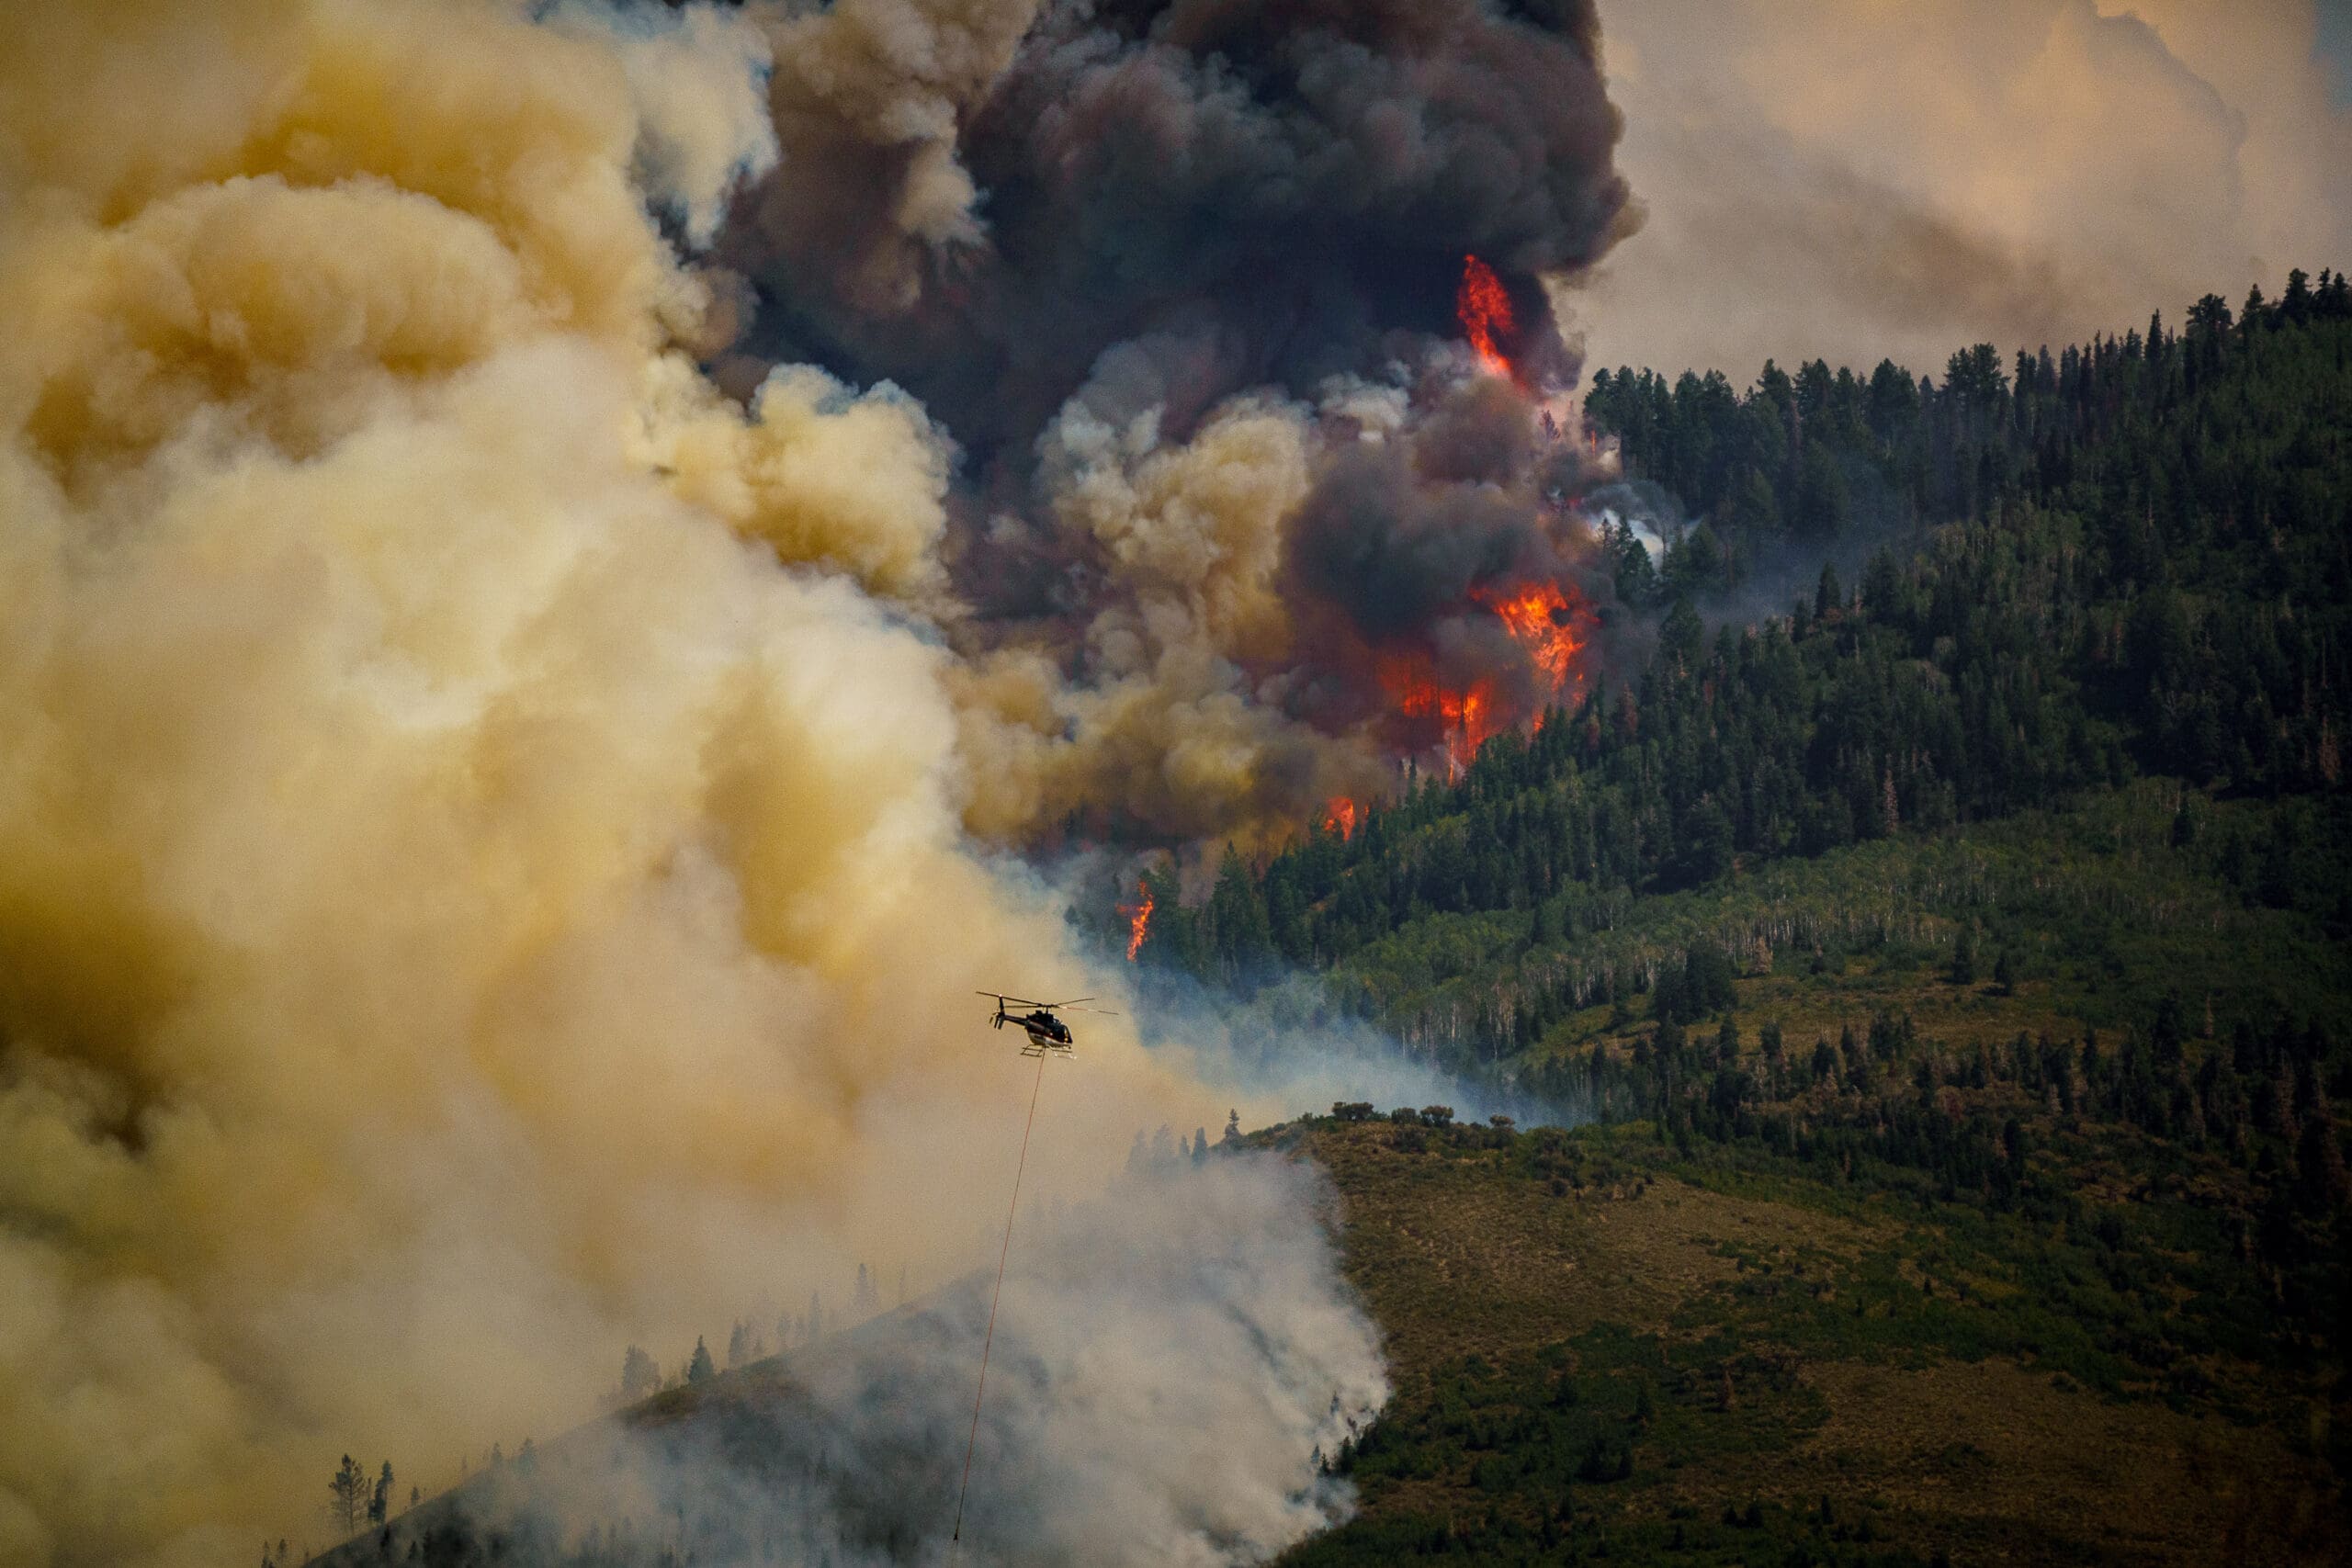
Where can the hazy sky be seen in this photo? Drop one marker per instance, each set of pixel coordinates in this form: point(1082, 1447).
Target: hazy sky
point(1855, 178)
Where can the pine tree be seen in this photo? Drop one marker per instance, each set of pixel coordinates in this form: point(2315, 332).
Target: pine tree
point(698, 1366)
point(349, 1491)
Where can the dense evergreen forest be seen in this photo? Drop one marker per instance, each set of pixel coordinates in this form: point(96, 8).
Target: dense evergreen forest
point(2130, 559)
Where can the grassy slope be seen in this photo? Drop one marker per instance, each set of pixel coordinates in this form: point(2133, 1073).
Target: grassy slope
point(1754, 1342)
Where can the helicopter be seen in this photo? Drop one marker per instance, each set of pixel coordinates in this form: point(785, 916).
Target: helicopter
point(1046, 1032)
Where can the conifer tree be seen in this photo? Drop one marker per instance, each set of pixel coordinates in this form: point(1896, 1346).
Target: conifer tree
point(348, 1489)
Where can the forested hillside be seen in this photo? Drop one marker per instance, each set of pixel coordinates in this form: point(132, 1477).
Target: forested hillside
point(2172, 424)
point(2140, 564)
point(2029, 809)
point(1958, 963)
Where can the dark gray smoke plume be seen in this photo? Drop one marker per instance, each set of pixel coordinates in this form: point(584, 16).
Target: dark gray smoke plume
point(1263, 192)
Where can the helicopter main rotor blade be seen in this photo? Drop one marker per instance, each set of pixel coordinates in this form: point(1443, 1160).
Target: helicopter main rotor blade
point(1012, 1001)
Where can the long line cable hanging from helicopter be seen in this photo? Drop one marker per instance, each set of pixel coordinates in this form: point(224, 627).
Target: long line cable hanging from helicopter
point(989, 1342)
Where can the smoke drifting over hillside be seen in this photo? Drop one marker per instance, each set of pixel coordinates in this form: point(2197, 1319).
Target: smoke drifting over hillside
point(486, 858)
point(1169, 1364)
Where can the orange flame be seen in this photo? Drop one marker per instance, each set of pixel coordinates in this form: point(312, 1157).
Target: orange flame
point(1468, 715)
point(1550, 622)
point(1139, 920)
point(1340, 816)
point(1484, 307)
point(1541, 617)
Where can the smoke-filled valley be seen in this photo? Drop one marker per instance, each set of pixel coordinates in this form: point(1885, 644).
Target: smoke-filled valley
point(586, 582)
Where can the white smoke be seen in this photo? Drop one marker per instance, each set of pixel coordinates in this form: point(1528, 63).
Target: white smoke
point(1171, 1366)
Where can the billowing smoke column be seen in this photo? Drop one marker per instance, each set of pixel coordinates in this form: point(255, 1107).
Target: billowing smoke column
point(1238, 314)
point(482, 866)
point(487, 819)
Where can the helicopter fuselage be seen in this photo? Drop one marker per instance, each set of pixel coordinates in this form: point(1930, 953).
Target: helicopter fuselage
point(1045, 1028)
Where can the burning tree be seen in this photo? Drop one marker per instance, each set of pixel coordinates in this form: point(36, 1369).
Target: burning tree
point(1484, 307)
point(1138, 918)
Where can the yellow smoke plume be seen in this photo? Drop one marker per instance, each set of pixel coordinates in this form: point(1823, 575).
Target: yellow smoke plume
point(1168, 730)
point(480, 868)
